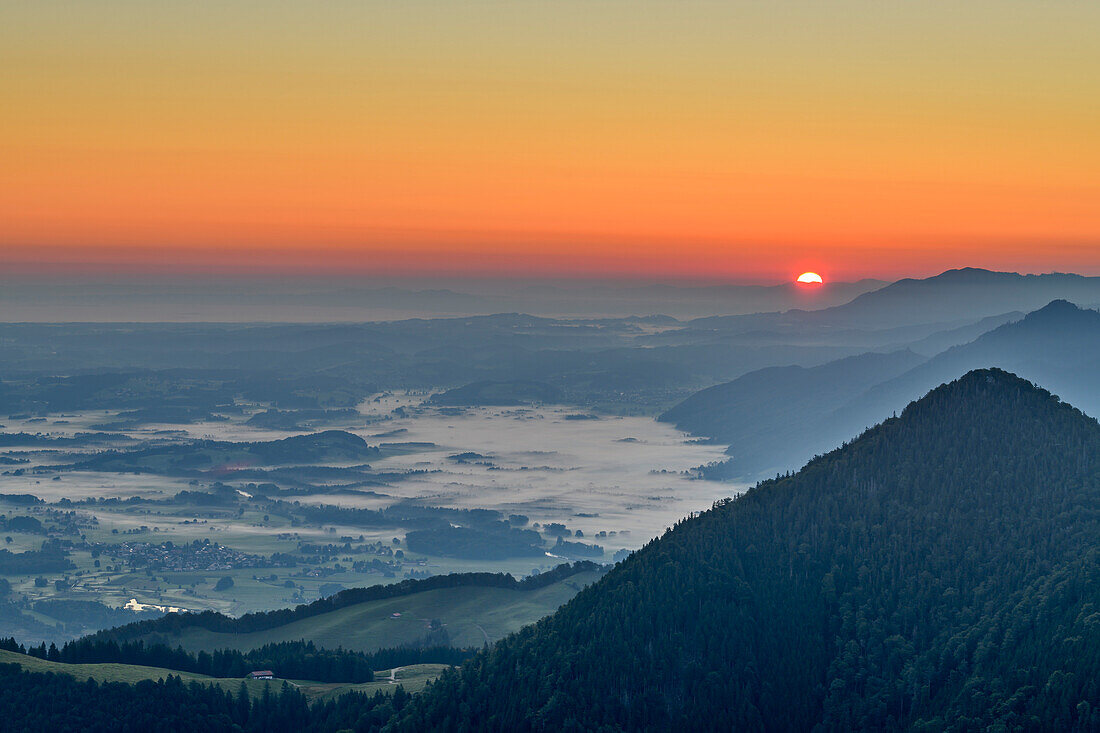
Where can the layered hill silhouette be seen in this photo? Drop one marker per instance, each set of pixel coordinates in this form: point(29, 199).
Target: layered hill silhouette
point(955, 296)
point(767, 415)
point(972, 291)
point(941, 571)
point(1057, 346)
point(777, 419)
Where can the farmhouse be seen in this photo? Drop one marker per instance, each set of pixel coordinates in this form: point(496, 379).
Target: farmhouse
point(262, 674)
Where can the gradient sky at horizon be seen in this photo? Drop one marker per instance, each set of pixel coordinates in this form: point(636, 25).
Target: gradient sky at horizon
point(680, 139)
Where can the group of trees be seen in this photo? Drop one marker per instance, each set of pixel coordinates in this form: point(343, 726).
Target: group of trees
point(192, 457)
point(34, 701)
point(21, 523)
point(78, 615)
point(496, 543)
point(50, 559)
point(576, 549)
point(300, 660)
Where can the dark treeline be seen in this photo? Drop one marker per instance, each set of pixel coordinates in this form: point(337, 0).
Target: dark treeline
point(21, 499)
point(38, 439)
point(80, 615)
point(193, 457)
point(50, 559)
point(497, 543)
point(35, 701)
point(403, 656)
point(576, 549)
point(404, 514)
point(941, 572)
point(290, 660)
point(264, 620)
point(17, 523)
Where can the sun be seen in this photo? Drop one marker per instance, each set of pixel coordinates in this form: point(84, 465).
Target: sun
point(810, 278)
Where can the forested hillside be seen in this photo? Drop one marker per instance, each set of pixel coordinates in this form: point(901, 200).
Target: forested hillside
point(940, 572)
point(35, 701)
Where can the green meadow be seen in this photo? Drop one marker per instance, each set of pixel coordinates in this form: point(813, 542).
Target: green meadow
point(471, 616)
point(412, 678)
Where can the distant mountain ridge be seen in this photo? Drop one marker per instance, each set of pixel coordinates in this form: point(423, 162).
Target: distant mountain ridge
point(939, 572)
point(773, 426)
point(1057, 346)
point(971, 291)
point(771, 413)
point(66, 298)
point(963, 295)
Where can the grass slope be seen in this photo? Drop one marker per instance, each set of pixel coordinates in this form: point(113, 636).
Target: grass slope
point(413, 678)
point(471, 615)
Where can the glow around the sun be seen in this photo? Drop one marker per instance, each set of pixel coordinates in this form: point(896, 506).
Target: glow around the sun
point(809, 277)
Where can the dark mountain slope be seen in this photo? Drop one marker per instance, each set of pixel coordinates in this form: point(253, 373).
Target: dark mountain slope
point(778, 416)
point(940, 572)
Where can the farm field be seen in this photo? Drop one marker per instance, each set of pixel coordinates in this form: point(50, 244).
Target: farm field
point(412, 678)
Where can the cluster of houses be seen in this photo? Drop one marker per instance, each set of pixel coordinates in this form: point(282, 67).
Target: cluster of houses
point(195, 556)
point(133, 605)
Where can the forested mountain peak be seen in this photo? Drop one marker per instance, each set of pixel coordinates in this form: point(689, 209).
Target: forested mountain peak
point(940, 570)
point(1057, 346)
point(986, 393)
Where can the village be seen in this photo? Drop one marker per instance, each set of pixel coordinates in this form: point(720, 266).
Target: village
point(199, 555)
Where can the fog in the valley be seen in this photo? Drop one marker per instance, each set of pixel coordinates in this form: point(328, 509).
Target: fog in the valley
point(551, 463)
point(145, 453)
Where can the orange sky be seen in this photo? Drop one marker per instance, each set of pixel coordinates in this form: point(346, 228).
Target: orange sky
point(678, 139)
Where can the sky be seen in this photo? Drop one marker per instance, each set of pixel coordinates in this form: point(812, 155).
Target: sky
point(718, 140)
